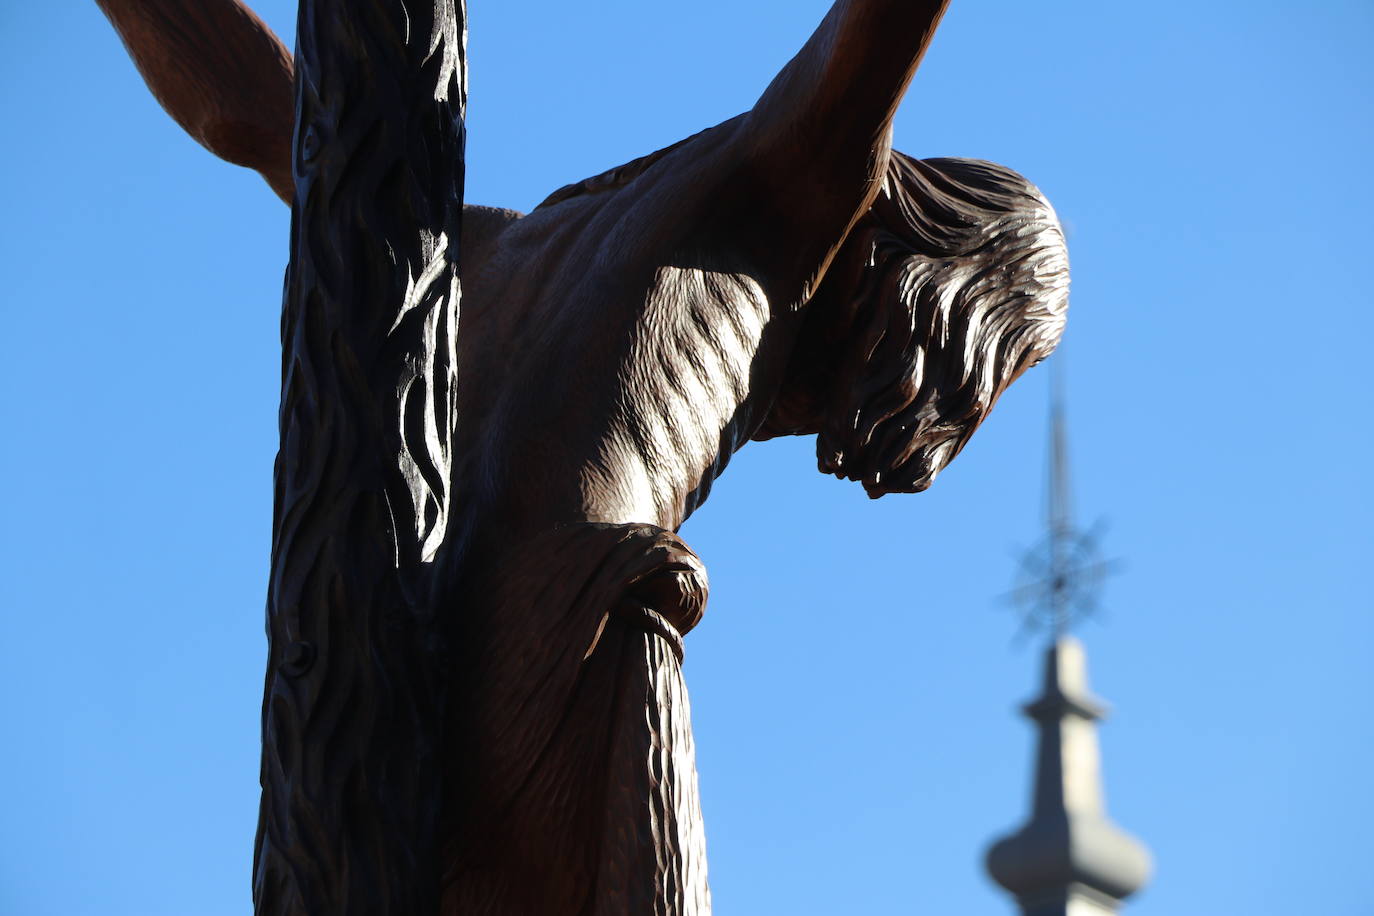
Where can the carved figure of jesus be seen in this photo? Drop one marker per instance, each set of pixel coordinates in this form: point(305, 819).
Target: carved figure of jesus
point(782, 273)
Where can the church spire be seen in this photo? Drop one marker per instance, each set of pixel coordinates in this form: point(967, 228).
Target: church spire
point(1068, 859)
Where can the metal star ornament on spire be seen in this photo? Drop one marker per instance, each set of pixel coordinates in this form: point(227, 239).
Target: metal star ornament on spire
point(1060, 576)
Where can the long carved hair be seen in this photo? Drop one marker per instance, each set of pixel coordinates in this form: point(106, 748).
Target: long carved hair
point(952, 285)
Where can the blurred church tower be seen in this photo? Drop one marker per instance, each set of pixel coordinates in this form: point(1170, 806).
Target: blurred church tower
point(1068, 859)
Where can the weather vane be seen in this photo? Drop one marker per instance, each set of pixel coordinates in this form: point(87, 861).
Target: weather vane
point(1060, 576)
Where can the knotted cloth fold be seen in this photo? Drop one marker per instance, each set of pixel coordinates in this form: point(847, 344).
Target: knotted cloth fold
point(579, 730)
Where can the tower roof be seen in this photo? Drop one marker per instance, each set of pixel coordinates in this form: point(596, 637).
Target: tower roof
point(1068, 858)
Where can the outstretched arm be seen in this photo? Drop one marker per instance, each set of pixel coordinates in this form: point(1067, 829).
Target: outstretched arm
point(819, 137)
point(221, 73)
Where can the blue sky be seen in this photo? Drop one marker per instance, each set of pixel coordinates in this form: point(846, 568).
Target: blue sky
point(855, 679)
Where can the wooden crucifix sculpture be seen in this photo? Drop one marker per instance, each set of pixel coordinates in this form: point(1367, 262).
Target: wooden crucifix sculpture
point(474, 700)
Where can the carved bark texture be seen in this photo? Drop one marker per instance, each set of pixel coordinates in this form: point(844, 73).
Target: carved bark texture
point(353, 696)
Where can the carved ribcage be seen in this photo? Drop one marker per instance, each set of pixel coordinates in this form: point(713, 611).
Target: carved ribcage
point(692, 360)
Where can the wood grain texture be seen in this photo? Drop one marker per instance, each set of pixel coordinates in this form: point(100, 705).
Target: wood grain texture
point(354, 693)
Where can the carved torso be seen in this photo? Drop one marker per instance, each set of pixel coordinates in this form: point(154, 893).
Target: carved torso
point(558, 323)
point(610, 366)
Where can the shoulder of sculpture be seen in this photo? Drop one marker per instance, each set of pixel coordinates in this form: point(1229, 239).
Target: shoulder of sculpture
point(620, 176)
point(481, 225)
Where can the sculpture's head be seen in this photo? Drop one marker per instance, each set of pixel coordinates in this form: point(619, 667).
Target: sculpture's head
point(953, 284)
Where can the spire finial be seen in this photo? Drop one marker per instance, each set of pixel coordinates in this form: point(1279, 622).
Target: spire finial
point(1060, 575)
point(1060, 521)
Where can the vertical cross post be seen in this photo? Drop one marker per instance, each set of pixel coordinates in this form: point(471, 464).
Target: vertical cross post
point(353, 703)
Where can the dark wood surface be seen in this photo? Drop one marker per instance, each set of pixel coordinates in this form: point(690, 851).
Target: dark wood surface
point(353, 707)
point(491, 570)
point(221, 73)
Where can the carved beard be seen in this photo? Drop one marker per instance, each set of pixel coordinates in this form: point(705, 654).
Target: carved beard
point(934, 340)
